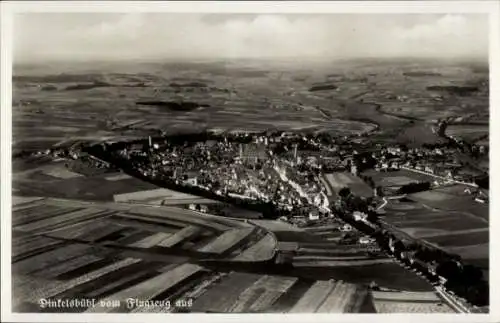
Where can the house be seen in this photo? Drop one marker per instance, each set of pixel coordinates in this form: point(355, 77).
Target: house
point(432, 268)
point(480, 200)
point(366, 240)
point(394, 150)
point(410, 255)
point(359, 216)
point(192, 180)
point(392, 244)
point(346, 228)
point(438, 151)
point(313, 216)
point(283, 219)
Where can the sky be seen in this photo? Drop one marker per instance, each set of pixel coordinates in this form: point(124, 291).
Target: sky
point(106, 36)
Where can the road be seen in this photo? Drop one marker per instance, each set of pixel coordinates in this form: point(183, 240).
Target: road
point(453, 301)
point(450, 300)
point(385, 199)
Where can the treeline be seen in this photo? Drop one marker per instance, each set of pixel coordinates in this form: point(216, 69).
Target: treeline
point(483, 181)
point(464, 280)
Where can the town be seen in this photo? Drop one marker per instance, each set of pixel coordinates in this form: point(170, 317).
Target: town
point(282, 169)
point(304, 184)
point(282, 175)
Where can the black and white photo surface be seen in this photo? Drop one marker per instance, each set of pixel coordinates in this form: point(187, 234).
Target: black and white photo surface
point(249, 162)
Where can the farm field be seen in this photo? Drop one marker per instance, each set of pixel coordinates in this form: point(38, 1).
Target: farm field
point(418, 134)
point(389, 275)
point(317, 254)
point(220, 297)
point(55, 180)
point(149, 289)
point(409, 302)
point(452, 198)
point(457, 232)
point(467, 132)
point(161, 196)
point(108, 259)
point(235, 96)
point(274, 225)
point(227, 240)
point(396, 178)
point(244, 293)
point(106, 235)
point(337, 181)
point(258, 250)
point(229, 106)
point(66, 247)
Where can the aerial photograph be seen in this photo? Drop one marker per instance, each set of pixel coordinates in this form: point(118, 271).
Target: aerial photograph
point(250, 163)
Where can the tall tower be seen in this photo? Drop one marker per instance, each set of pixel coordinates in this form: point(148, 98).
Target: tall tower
point(295, 153)
point(150, 141)
point(241, 151)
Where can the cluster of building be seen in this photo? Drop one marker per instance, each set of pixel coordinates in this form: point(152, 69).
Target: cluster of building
point(275, 168)
point(478, 195)
point(245, 171)
point(280, 170)
point(438, 161)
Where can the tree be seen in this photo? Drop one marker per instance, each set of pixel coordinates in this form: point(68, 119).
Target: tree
point(358, 204)
point(413, 246)
point(478, 294)
point(399, 247)
point(424, 254)
point(414, 187)
point(471, 274)
point(344, 192)
point(450, 270)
